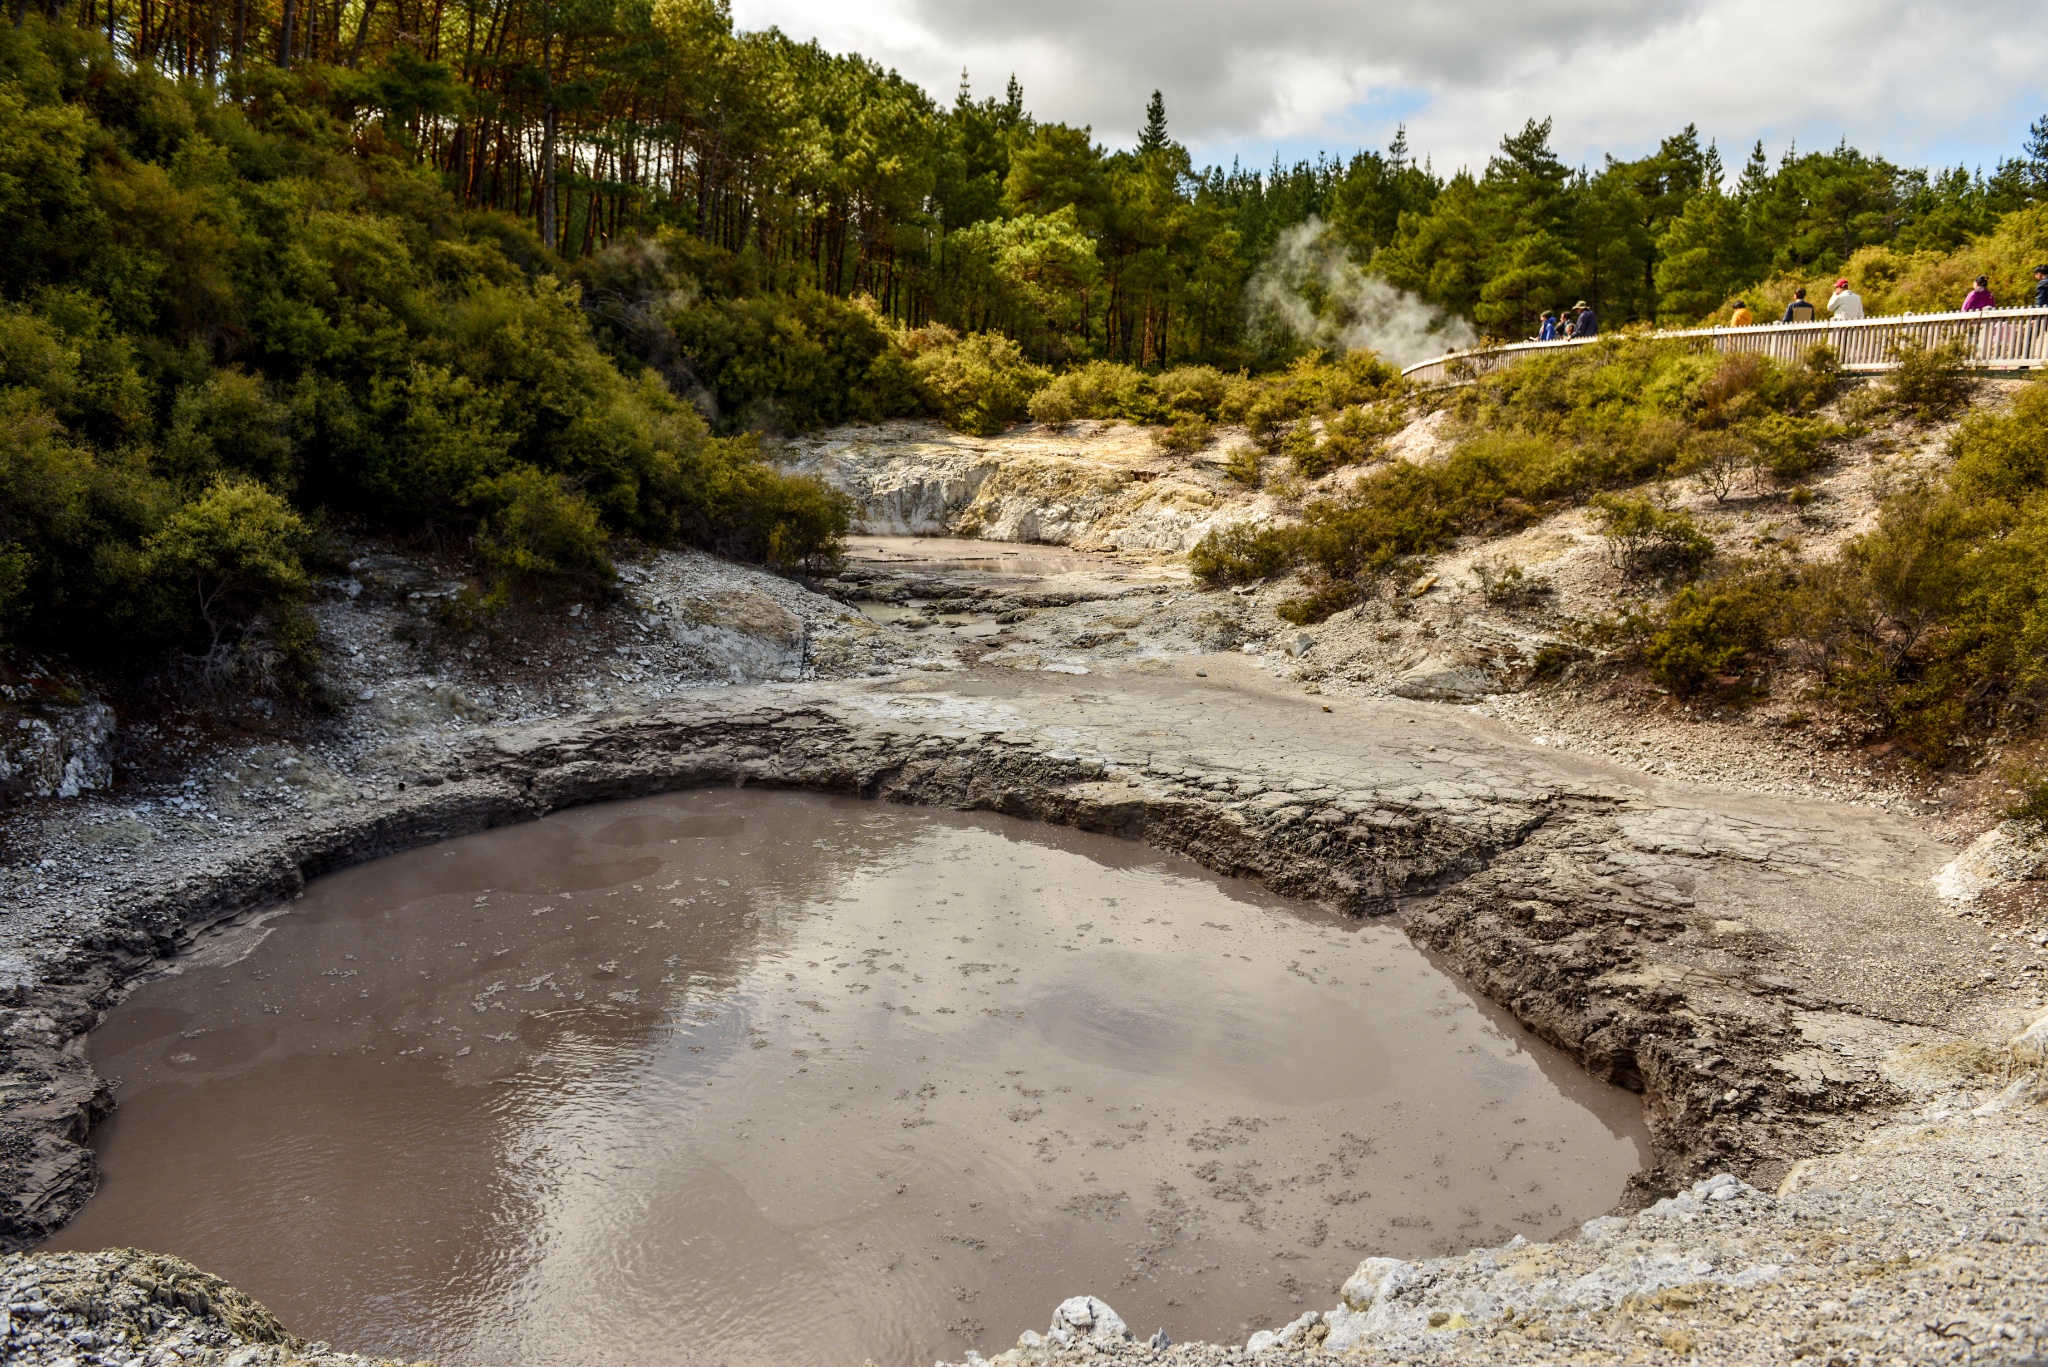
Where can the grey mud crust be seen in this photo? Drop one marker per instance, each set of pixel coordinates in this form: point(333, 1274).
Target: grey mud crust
point(1744, 963)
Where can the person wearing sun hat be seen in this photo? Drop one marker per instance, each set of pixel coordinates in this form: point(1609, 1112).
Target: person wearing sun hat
point(1587, 324)
point(1845, 304)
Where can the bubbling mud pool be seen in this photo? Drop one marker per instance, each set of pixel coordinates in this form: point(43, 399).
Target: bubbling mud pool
point(743, 1077)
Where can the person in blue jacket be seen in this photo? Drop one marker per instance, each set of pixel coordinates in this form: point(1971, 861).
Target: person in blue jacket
point(1587, 325)
point(2041, 287)
point(1548, 332)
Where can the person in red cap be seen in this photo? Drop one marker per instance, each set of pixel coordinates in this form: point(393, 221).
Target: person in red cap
point(1845, 304)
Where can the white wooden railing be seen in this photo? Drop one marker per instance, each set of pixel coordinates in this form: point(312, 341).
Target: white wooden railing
point(2000, 339)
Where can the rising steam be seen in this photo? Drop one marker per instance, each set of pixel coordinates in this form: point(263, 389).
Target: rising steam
point(1310, 290)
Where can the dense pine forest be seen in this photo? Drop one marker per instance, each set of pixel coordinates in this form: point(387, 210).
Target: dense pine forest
point(523, 278)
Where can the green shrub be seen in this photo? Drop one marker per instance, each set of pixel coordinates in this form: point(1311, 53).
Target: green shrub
point(1788, 445)
point(1718, 461)
point(2030, 806)
point(1510, 586)
point(1929, 383)
point(1267, 404)
point(1545, 433)
point(1711, 635)
point(1098, 389)
point(1198, 390)
point(982, 383)
point(1268, 421)
point(1352, 437)
point(542, 539)
point(1186, 436)
point(1242, 553)
point(1324, 599)
point(1242, 466)
point(223, 576)
point(229, 425)
point(399, 362)
point(1645, 539)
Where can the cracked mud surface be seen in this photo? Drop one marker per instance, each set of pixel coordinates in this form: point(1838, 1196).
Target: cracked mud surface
point(1773, 970)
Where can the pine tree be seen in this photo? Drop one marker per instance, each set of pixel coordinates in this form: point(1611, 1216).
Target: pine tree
point(1153, 137)
point(1756, 175)
point(2037, 154)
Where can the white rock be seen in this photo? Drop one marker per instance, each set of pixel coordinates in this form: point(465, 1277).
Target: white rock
point(2028, 1091)
point(2005, 854)
point(1088, 1318)
point(1442, 680)
point(2031, 1044)
point(1374, 1279)
point(1296, 1333)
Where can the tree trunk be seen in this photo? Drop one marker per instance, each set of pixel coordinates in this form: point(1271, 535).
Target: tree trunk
point(547, 175)
point(355, 55)
point(284, 42)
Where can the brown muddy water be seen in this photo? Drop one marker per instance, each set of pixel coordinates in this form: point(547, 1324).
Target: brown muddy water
point(1003, 559)
point(766, 1078)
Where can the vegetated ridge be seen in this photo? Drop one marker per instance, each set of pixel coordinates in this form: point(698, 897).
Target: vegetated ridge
point(522, 285)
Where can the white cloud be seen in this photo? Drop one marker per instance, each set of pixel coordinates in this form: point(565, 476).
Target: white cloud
point(1912, 80)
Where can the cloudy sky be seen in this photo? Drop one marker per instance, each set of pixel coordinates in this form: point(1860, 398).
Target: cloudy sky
point(1955, 82)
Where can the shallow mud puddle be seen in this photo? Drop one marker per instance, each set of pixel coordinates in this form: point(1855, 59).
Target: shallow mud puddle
point(1008, 559)
point(758, 1078)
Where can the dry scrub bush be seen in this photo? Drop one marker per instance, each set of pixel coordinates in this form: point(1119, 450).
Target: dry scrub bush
point(1185, 437)
point(1645, 539)
point(1242, 466)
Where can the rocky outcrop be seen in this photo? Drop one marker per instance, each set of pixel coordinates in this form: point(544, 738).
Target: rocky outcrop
point(1098, 485)
point(55, 751)
point(125, 1306)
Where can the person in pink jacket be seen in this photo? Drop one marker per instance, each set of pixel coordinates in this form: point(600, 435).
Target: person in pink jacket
point(1980, 297)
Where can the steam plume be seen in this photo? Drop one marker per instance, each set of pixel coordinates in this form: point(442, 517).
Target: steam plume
point(1311, 290)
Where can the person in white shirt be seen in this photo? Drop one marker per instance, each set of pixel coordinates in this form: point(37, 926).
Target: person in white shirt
point(1845, 304)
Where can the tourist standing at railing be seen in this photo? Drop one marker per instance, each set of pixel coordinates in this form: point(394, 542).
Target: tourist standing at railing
point(2041, 287)
point(1845, 304)
point(1800, 310)
point(1548, 332)
point(1742, 317)
point(1585, 325)
point(1980, 297)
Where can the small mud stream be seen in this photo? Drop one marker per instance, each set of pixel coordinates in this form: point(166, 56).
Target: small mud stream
point(1026, 560)
point(765, 1078)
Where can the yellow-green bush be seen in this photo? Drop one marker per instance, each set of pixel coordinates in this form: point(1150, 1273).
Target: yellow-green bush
point(981, 383)
point(1715, 635)
point(1314, 385)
